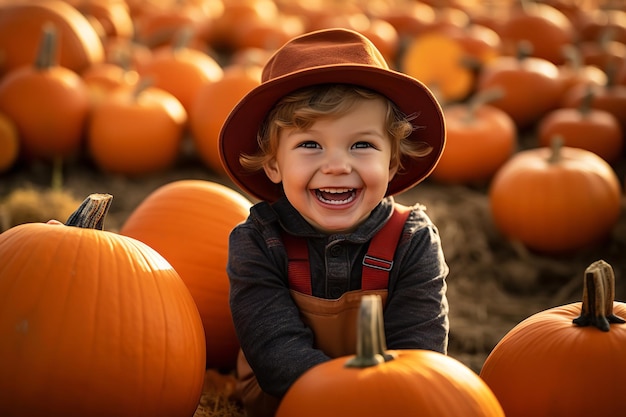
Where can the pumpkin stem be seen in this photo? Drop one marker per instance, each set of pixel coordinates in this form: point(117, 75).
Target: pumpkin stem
point(598, 297)
point(524, 50)
point(371, 346)
point(183, 38)
point(143, 84)
point(46, 55)
point(573, 57)
point(556, 143)
point(480, 99)
point(91, 213)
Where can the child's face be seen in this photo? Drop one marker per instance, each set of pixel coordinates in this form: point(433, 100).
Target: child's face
point(337, 171)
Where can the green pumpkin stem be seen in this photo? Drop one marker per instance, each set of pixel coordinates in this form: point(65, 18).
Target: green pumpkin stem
point(371, 346)
point(480, 99)
point(91, 213)
point(47, 54)
point(598, 297)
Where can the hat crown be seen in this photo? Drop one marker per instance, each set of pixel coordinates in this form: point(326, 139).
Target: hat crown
point(321, 49)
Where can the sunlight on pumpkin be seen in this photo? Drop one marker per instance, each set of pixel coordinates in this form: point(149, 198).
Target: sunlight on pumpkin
point(151, 263)
point(438, 61)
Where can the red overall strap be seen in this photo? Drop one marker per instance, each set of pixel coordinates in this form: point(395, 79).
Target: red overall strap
point(298, 267)
point(376, 264)
point(378, 260)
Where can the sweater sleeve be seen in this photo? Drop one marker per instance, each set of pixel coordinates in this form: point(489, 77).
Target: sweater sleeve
point(275, 341)
point(416, 314)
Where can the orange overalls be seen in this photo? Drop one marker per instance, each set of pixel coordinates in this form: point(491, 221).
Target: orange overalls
point(333, 321)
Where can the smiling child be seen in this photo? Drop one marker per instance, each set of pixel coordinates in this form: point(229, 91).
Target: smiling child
point(324, 142)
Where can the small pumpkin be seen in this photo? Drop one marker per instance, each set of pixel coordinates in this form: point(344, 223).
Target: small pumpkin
point(601, 19)
point(584, 127)
point(437, 60)
point(49, 103)
point(610, 97)
point(376, 381)
point(555, 199)
point(546, 28)
point(575, 72)
point(409, 18)
point(479, 139)
point(136, 130)
point(21, 23)
point(223, 34)
point(94, 323)
point(102, 78)
point(188, 222)
point(569, 359)
point(211, 107)
point(113, 16)
point(521, 77)
point(180, 69)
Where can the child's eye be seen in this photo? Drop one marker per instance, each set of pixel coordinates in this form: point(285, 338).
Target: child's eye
point(362, 145)
point(309, 145)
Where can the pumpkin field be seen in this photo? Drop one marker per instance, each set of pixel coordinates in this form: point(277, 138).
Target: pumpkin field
point(126, 98)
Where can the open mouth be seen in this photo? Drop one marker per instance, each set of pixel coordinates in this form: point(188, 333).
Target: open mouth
point(335, 196)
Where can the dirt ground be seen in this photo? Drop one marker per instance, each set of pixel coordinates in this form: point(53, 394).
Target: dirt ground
point(493, 284)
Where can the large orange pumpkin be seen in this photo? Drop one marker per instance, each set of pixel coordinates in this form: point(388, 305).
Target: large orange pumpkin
point(21, 23)
point(93, 323)
point(378, 382)
point(567, 360)
point(555, 199)
point(188, 222)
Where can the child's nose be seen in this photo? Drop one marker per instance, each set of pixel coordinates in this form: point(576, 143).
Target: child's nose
point(336, 163)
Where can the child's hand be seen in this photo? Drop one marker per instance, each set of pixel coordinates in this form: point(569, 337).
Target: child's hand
point(52, 221)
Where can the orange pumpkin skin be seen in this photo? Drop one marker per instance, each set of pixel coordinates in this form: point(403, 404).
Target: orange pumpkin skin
point(9, 143)
point(521, 79)
point(610, 97)
point(49, 107)
point(113, 15)
point(564, 370)
point(595, 130)
point(415, 383)
point(94, 323)
point(555, 207)
point(181, 71)
point(188, 222)
point(136, 134)
point(211, 107)
point(544, 26)
point(475, 147)
point(20, 30)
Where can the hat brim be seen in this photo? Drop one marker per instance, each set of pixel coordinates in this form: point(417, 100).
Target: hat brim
point(239, 131)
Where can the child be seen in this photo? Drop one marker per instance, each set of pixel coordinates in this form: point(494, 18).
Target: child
point(324, 142)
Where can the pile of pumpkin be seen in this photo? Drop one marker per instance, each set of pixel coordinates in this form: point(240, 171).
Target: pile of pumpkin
point(131, 85)
point(128, 321)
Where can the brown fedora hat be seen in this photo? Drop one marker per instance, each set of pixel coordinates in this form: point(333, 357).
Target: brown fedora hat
point(329, 56)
